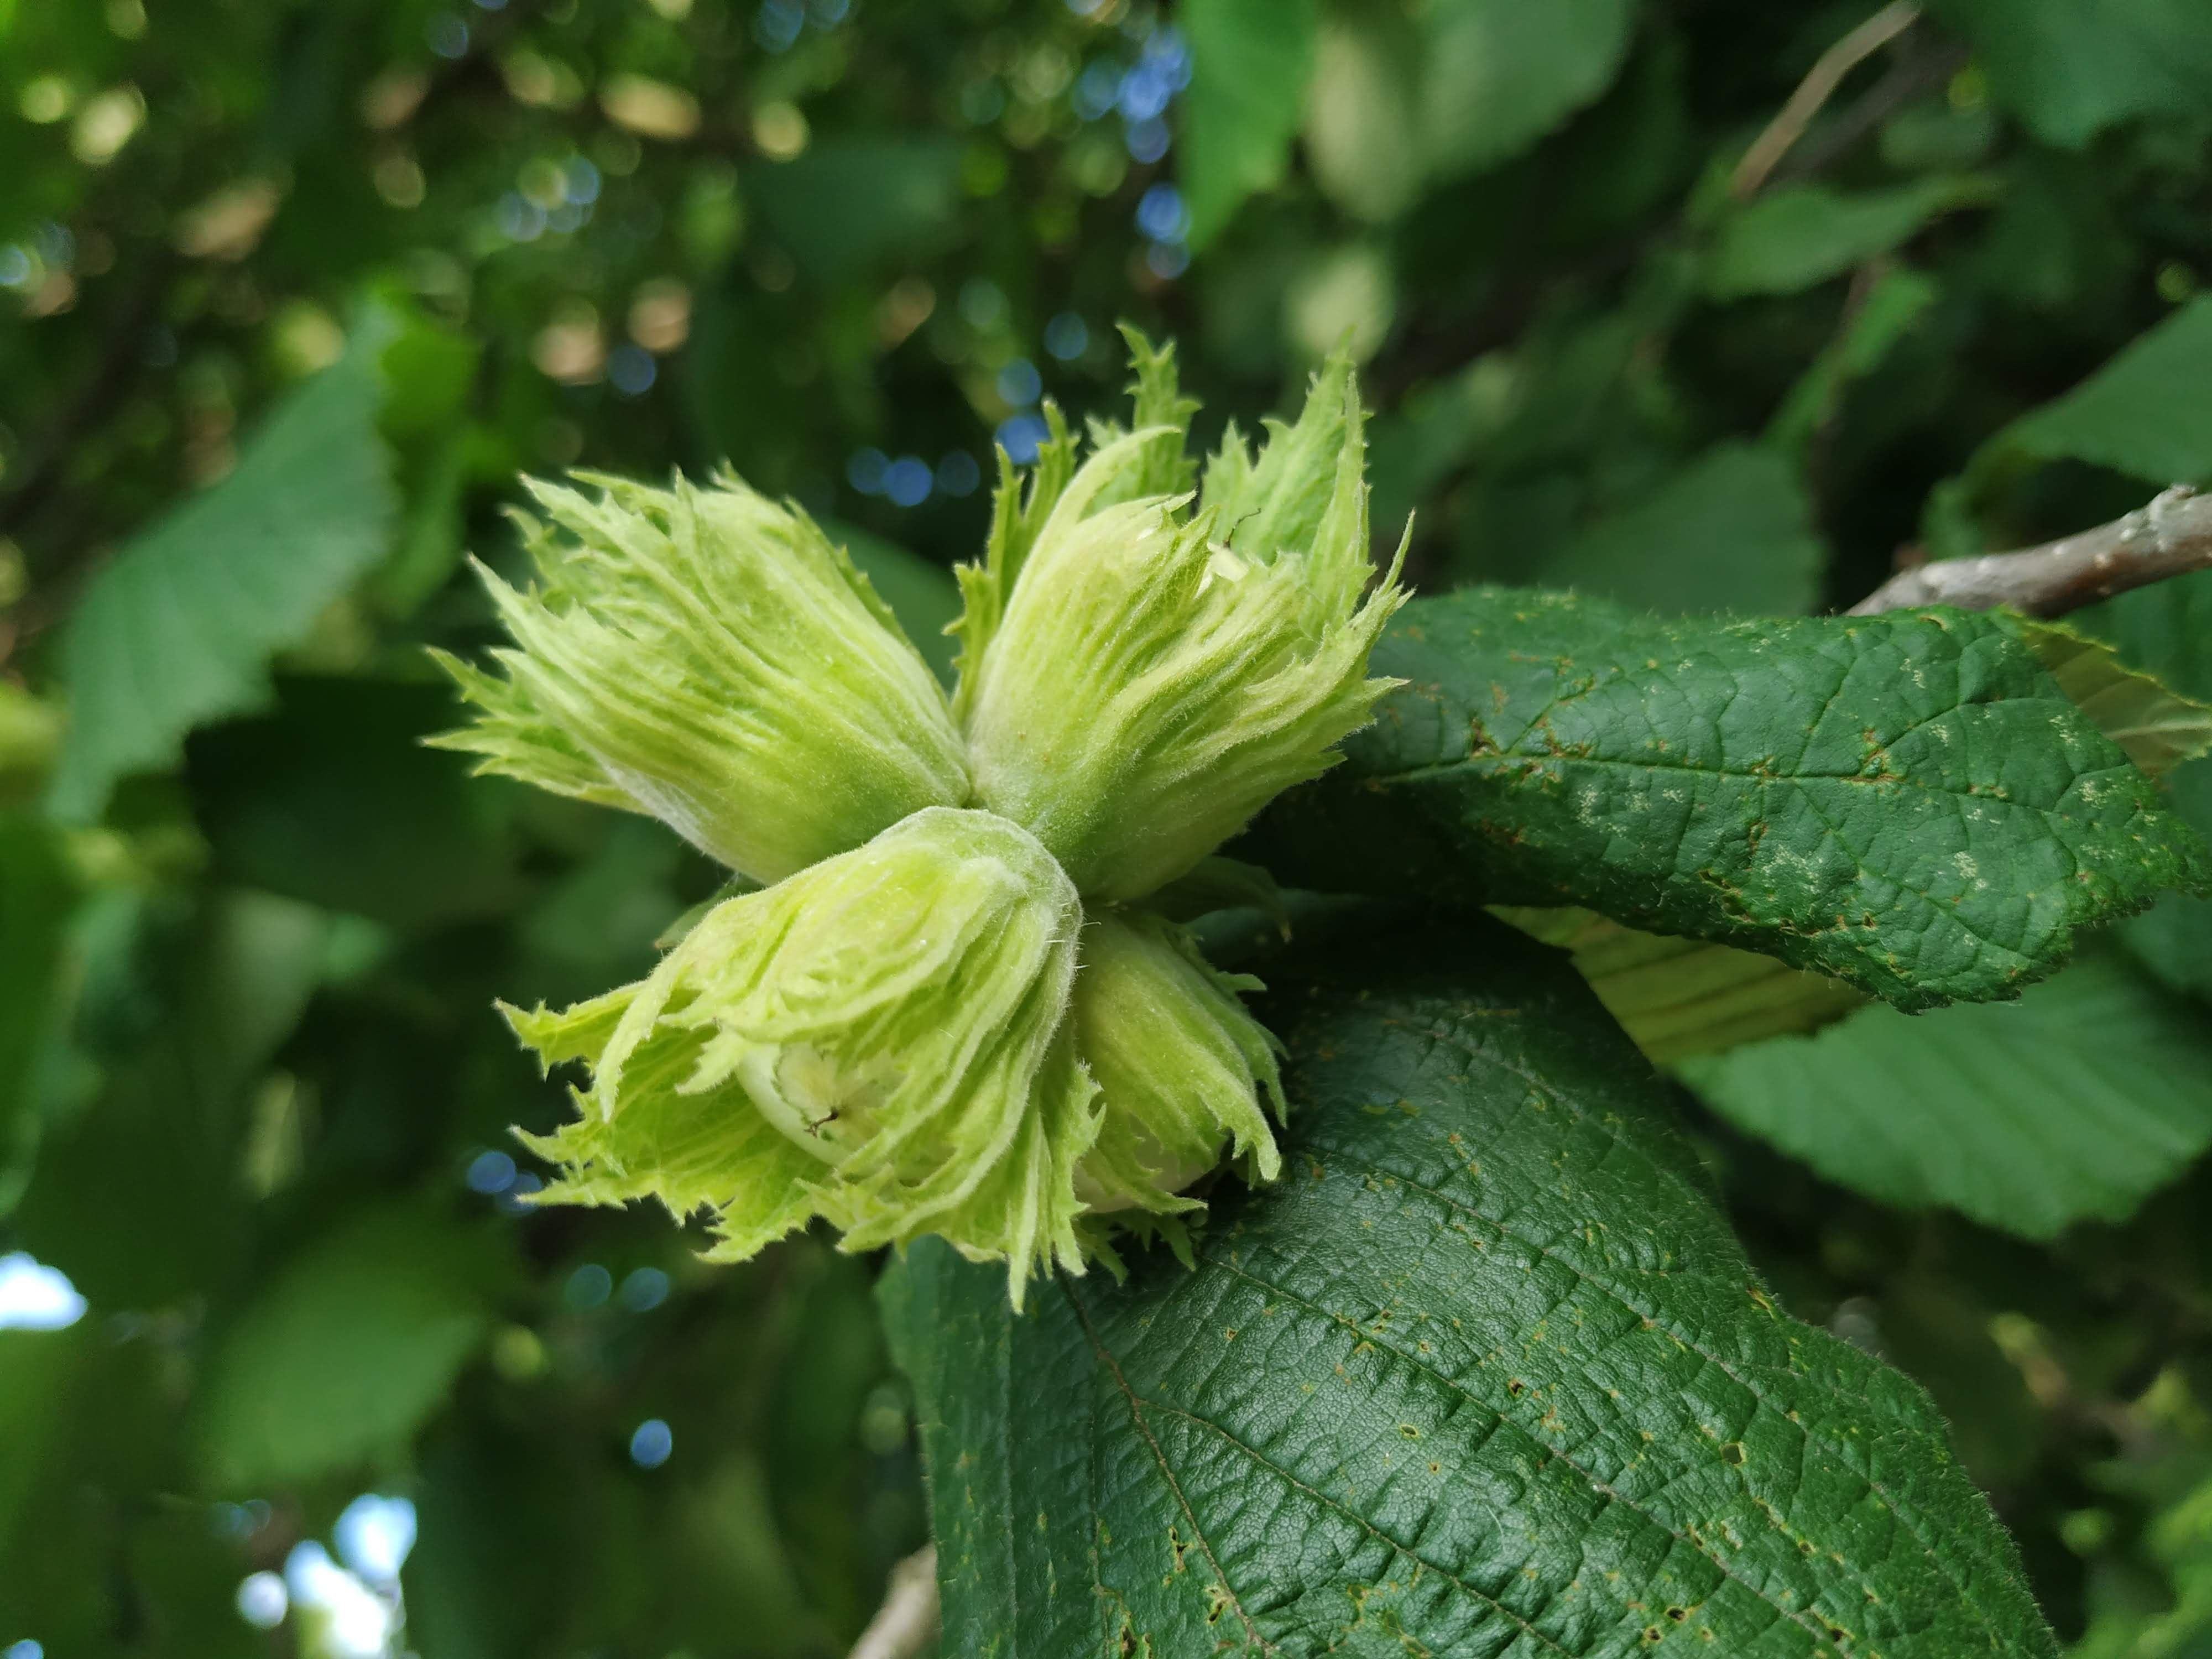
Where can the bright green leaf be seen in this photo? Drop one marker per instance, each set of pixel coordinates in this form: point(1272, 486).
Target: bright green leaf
point(1500, 74)
point(2068, 68)
point(1797, 235)
point(178, 630)
point(1896, 304)
point(1249, 62)
point(343, 1353)
point(1731, 532)
point(1485, 1373)
point(1905, 802)
point(2075, 1101)
point(1680, 996)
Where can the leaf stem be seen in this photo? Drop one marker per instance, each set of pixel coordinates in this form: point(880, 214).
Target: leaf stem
point(1818, 85)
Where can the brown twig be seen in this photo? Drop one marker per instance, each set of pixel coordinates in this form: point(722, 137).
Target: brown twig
point(907, 1621)
point(1818, 85)
point(1915, 73)
point(2171, 537)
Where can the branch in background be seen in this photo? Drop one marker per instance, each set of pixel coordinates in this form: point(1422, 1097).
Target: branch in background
point(1818, 85)
point(2171, 537)
point(1915, 72)
point(907, 1621)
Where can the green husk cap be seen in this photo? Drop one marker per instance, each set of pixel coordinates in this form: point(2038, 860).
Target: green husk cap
point(916, 1028)
point(1180, 1066)
point(710, 658)
point(879, 1040)
point(1142, 679)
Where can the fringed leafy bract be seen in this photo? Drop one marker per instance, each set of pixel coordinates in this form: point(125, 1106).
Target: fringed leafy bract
point(880, 1040)
point(710, 657)
point(1157, 676)
point(901, 1035)
point(1179, 1063)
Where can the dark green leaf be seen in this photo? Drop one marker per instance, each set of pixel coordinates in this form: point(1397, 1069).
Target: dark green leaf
point(2067, 70)
point(1731, 532)
point(344, 1353)
point(1906, 802)
point(429, 547)
point(1249, 60)
point(604, 921)
point(1896, 304)
point(501, 1512)
point(30, 736)
point(1485, 1373)
point(849, 203)
point(139, 1199)
point(104, 1560)
point(2165, 630)
point(178, 630)
point(333, 799)
point(2129, 1625)
point(2147, 412)
point(2088, 1094)
point(35, 895)
point(1795, 236)
point(36, 1368)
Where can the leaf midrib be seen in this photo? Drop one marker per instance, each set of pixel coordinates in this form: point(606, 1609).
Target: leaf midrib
point(1504, 1420)
point(1167, 1471)
point(1137, 1403)
point(1899, 780)
point(1864, 865)
point(1905, 1518)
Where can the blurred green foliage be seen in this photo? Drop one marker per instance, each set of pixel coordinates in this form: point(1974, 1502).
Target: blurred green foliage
point(294, 290)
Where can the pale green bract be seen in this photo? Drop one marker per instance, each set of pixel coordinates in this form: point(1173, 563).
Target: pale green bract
point(950, 1012)
point(1157, 675)
point(879, 1040)
point(1179, 1063)
point(710, 657)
